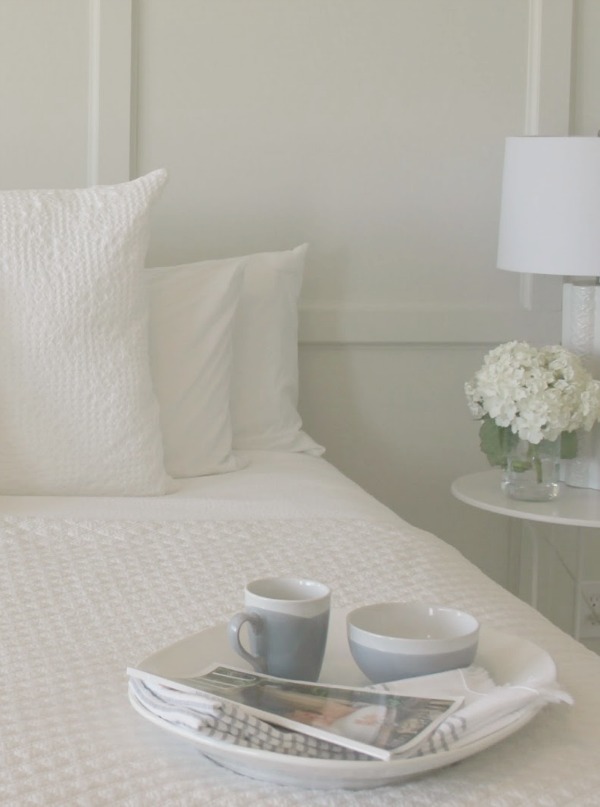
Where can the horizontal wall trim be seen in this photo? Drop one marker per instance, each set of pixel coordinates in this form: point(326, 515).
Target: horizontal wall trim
point(369, 325)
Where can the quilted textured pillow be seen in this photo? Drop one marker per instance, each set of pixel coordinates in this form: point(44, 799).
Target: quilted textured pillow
point(78, 413)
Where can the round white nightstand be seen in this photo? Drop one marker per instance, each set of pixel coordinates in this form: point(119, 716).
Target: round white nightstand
point(574, 507)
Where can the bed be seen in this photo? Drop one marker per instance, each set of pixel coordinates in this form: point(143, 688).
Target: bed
point(140, 525)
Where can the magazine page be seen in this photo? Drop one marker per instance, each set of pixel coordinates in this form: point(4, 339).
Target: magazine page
point(376, 723)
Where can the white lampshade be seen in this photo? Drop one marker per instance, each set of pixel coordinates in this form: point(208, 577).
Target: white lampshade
point(550, 213)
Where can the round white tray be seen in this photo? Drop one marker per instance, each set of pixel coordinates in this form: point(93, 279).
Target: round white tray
point(508, 659)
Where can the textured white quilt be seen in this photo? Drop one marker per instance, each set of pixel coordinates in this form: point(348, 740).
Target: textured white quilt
point(83, 599)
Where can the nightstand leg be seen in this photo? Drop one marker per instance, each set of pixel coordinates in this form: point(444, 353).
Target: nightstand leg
point(535, 566)
point(578, 579)
point(535, 562)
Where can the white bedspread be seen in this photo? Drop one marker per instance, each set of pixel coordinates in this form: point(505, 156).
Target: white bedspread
point(273, 484)
point(82, 599)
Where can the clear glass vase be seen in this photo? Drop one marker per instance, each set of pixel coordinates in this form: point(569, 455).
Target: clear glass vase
point(532, 472)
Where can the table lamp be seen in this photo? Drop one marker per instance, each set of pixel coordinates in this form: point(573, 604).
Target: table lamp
point(550, 224)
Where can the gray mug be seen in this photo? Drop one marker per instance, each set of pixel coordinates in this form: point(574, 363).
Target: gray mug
point(288, 619)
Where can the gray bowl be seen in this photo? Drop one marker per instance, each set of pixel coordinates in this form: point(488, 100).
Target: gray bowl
point(394, 640)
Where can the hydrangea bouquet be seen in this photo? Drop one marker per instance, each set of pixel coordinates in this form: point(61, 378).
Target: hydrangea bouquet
point(534, 394)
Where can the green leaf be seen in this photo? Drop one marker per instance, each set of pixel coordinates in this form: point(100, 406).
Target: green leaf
point(495, 441)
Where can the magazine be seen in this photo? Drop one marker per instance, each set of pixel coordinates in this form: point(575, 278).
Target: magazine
point(373, 722)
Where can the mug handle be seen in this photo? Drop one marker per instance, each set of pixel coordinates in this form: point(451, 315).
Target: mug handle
point(233, 631)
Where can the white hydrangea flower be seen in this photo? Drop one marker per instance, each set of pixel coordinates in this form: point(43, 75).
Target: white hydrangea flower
point(537, 393)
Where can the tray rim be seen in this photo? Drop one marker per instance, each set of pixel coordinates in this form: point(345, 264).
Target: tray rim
point(287, 769)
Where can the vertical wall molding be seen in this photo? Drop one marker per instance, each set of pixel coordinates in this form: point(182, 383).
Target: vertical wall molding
point(549, 56)
point(93, 145)
point(547, 112)
point(534, 67)
point(532, 111)
point(133, 89)
point(547, 106)
point(110, 91)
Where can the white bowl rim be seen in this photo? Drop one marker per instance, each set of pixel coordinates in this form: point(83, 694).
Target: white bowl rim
point(466, 634)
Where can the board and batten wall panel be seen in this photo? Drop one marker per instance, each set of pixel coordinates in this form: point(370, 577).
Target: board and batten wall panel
point(374, 130)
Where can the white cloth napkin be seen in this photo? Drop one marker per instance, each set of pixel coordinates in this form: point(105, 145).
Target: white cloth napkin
point(486, 708)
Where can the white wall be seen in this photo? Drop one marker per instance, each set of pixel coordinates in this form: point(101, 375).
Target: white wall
point(373, 129)
point(43, 93)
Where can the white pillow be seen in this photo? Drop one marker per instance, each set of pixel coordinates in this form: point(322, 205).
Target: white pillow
point(192, 309)
point(78, 414)
point(264, 393)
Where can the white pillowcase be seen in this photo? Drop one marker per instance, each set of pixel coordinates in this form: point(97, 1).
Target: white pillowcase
point(213, 399)
point(192, 309)
point(264, 390)
point(78, 414)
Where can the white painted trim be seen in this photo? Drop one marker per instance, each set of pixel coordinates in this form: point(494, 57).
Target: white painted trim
point(549, 54)
point(93, 145)
point(547, 112)
point(532, 111)
point(554, 104)
point(547, 100)
point(109, 91)
point(534, 68)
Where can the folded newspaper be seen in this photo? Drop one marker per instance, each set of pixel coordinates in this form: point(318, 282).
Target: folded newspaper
point(426, 715)
point(288, 716)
